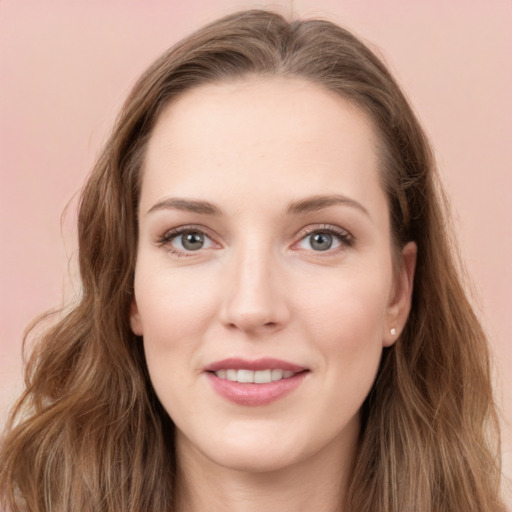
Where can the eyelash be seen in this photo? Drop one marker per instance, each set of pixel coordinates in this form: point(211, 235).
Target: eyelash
point(344, 237)
point(174, 233)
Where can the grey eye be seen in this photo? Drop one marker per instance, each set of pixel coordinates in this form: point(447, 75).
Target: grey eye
point(323, 240)
point(191, 241)
point(320, 241)
point(185, 240)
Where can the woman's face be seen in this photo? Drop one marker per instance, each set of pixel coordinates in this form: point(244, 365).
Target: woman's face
point(265, 254)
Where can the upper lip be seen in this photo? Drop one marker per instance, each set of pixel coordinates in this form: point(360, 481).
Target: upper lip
point(265, 363)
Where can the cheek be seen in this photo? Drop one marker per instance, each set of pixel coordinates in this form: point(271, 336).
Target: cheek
point(345, 324)
point(174, 308)
point(173, 311)
point(346, 311)
point(172, 304)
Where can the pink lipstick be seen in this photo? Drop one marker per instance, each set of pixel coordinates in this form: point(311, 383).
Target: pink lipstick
point(254, 383)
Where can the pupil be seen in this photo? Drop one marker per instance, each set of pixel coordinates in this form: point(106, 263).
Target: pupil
point(192, 241)
point(321, 241)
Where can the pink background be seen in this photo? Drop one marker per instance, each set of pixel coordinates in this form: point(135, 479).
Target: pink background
point(66, 66)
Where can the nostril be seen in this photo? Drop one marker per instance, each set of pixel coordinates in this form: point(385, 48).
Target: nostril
point(253, 311)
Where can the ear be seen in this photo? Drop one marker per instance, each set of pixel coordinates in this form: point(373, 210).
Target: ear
point(400, 300)
point(135, 319)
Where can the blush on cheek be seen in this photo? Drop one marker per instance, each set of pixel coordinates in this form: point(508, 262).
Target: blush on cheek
point(171, 313)
point(349, 318)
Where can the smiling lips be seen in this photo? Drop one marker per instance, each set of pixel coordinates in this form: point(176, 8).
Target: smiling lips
point(254, 383)
point(258, 376)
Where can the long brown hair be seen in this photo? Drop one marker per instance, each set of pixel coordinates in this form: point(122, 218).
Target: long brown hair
point(89, 434)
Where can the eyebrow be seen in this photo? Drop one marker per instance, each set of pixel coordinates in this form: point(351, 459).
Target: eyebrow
point(187, 205)
point(300, 207)
point(315, 203)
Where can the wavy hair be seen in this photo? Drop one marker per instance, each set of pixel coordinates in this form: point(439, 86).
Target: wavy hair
point(89, 434)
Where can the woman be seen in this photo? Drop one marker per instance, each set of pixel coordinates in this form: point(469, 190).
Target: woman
point(271, 313)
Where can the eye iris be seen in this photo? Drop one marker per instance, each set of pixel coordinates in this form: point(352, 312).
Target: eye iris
point(192, 241)
point(321, 241)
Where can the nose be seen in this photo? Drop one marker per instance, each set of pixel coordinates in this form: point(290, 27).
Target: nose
point(254, 296)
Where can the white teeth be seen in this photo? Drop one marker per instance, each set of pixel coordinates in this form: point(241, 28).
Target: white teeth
point(277, 374)
point(245, 376)
point(250, 376)
point(263, 376)
point(230, 375)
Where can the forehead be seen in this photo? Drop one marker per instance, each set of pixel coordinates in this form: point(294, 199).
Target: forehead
point(261, 135)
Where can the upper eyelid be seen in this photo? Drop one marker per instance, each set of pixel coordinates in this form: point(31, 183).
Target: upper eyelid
point(167, 238)
point(346, 239)
point(172, 233)
point(330, 228)
point(178, 230)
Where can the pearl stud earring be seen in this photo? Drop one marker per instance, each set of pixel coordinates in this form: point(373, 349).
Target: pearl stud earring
point(393, 331)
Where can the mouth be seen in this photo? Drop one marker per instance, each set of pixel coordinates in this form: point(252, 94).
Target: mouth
point(254, 376)
point(253, 383)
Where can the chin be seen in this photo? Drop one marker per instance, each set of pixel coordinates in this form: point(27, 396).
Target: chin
point(256, 447)
point(253, 459)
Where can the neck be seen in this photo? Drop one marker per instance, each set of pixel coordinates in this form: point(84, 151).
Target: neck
point(317, 483)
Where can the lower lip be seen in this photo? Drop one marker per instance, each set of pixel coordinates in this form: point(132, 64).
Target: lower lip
point(254, 394)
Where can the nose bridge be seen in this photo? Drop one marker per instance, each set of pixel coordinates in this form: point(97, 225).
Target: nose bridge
point(253, 297)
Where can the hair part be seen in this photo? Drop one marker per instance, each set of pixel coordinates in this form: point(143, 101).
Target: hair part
point(89, 432)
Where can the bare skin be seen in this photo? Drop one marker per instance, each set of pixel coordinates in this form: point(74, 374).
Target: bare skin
point(265, 235)
point(314, 484)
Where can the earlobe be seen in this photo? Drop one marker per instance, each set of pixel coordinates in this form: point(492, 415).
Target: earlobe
point(400, 303)
point(135, 320)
